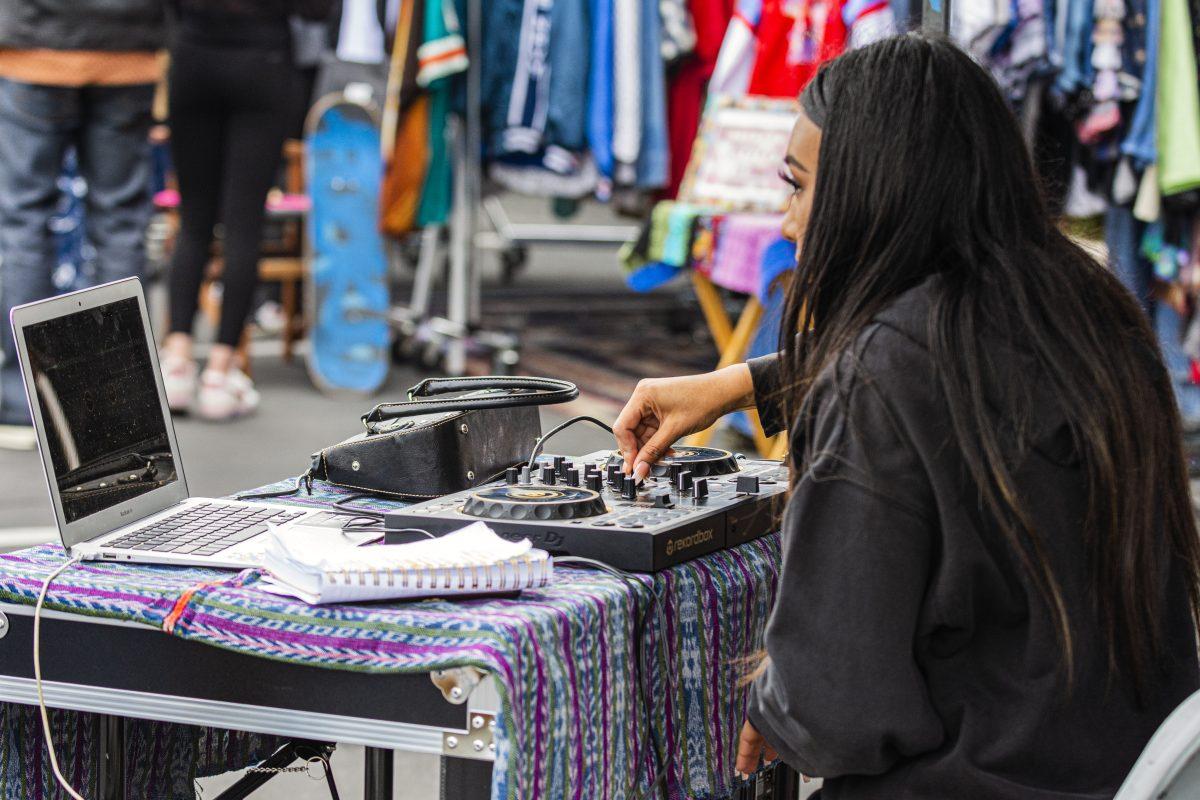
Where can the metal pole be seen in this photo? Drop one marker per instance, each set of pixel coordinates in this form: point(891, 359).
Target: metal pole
point(474, 154)
point(456, 282)
point(112, 757)
point(935, 17)
point(377, 774)
point(465, 779)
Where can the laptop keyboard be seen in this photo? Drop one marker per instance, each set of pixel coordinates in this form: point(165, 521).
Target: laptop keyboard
point(203, 530)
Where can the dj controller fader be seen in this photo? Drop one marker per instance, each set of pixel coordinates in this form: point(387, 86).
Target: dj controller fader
point(695, 501)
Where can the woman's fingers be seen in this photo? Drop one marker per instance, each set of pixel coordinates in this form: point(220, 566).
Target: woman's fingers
point(658, 446)
point(750, 748)
point(625, 429)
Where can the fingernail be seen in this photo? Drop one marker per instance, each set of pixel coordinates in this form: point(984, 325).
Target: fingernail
point(641, 470)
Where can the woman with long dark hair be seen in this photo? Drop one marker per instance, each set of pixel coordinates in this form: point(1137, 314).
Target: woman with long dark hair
point(990, 560)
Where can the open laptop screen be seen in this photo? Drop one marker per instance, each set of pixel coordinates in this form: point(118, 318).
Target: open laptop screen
point(104, 425)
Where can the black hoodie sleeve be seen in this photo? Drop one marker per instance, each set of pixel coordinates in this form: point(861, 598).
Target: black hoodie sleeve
point(842, 692)
point(764, 372)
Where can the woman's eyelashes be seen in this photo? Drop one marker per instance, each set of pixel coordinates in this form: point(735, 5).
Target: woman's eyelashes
point(790, 181)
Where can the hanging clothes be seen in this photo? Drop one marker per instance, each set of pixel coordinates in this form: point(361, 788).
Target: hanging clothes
point(678, 30)
point(689, 82)
point(540, 116)
point(652, 170)
point(404, 174)
point(600, 96)
point(796, 36)
point(1178, 102)
point(735, 62)
point(441, 56)
point(627, 89)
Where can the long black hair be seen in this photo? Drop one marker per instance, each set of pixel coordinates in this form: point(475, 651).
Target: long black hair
point(923, 171)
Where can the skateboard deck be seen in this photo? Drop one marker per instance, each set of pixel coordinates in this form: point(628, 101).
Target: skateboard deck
point(347, 281)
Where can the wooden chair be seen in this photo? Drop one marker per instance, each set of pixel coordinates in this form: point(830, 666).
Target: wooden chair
point(733, 343)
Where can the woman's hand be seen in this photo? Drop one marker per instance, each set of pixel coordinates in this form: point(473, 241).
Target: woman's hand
point(663, 410)
point(752, 751)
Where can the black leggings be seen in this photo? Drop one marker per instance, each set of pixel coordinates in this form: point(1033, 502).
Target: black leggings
point(230, 112)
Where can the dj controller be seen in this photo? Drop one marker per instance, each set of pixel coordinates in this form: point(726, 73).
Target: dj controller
point(695, 501)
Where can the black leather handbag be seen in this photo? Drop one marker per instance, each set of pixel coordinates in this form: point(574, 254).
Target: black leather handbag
point(428, 446)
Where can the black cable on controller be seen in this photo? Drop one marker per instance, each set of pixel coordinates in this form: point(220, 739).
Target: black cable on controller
point(541, 442)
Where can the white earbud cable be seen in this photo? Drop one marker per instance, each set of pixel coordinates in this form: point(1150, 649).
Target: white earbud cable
point(37, 677)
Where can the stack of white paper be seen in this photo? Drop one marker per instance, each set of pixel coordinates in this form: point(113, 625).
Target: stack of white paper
point(318, 566)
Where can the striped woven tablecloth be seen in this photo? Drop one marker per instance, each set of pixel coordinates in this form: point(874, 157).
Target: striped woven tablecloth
point(572, 725)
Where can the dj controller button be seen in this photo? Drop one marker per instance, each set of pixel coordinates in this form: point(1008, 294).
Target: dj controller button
point(747, 484)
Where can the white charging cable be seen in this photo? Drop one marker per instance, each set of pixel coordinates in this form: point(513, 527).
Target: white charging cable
point(37, 677)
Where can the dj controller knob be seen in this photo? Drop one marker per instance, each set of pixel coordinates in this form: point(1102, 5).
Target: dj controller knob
point(594, 481)
point(548, 475)
point(629, 488)
point(525, 477)
point(572, 477)
point(559, 466)
point(663, 500)
point(674, 470)
point(700, 490)
point(512, 475)
point(683, 482)
point(614, 476)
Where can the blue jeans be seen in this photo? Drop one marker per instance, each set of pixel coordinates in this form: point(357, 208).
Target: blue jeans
point(1123, 235)
point(109, 127)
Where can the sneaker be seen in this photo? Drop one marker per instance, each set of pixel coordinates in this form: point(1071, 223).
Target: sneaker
point(270, 319)
point(179, 378)
point(225, 395)
point(17, 437)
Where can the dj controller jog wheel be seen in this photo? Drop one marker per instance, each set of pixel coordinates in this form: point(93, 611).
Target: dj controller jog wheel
point(702, 462)
point(534, 503)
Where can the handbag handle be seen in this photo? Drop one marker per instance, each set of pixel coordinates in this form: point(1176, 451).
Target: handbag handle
point(534, 392)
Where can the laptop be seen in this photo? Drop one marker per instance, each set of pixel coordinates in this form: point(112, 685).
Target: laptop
point(108, 446)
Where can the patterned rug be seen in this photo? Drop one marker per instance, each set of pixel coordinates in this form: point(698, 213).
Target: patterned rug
point(568, 659)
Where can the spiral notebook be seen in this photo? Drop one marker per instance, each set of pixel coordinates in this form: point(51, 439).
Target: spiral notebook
point(318, 566)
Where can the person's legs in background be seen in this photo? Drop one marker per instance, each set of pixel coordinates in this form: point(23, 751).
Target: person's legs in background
point(114, 159)
point(37, 124)
point(227, 141)
point(197, 150)
point(253, 152)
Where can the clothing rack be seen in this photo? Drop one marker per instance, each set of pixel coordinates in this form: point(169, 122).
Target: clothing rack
point(447, 340)
point(478, 224)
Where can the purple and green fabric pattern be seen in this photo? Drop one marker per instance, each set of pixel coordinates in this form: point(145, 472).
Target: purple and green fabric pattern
point(566, 657)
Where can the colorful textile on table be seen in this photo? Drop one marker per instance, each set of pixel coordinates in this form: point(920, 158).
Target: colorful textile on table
point(566, 658)
point(161, 760)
